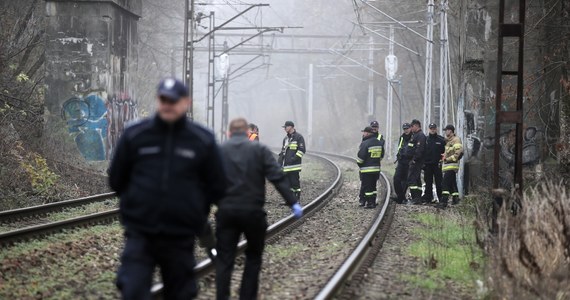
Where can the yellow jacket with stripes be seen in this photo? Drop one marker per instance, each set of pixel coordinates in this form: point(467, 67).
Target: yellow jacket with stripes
point(452, 155)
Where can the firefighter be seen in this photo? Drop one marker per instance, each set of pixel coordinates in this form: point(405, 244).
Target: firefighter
point(241, 210)
point(435, 147)
point(415, 152)
point(253, 132)
point(401, 174)
point(370, 153)
point(453, 153)
point(291, 156)
point(375, 126)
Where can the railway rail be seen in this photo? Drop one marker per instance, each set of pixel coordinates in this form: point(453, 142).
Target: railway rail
point(15, 215)
point(287, 224)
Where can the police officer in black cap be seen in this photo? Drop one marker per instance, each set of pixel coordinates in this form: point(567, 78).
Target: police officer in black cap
point(415, 152)
point(401, 174)
point(167, 172)
point(435, 147)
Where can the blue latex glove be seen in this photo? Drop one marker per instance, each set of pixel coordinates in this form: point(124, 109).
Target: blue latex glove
point(297, 210)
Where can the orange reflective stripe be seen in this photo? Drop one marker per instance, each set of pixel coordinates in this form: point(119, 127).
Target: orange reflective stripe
point(252, 137)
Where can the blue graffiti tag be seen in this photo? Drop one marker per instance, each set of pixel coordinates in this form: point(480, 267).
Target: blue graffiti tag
point(87, 121)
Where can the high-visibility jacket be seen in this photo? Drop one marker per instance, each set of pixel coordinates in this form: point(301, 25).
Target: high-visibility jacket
point(254, 137)
point(292, 152)
point(453, 153)
point(370, 153)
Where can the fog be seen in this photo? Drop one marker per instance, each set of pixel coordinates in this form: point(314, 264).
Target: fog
point(274, 88)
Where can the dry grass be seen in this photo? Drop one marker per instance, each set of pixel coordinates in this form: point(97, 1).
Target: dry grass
point(529, 256)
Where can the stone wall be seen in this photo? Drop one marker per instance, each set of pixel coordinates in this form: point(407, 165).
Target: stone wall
point(91, 54)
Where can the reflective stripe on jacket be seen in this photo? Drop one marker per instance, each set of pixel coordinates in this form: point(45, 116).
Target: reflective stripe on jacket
point(292, 152)
point(453, 150)
point(370, 153)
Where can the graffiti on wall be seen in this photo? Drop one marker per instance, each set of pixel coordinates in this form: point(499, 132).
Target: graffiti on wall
point(95, 124)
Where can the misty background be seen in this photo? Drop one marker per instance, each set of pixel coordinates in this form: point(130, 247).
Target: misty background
point(276, 90)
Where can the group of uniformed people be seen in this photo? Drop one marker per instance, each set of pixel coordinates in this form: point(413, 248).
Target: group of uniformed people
point(169, 171)
point(437, 156)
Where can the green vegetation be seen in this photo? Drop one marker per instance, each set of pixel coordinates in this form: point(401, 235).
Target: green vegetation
point(446, 244)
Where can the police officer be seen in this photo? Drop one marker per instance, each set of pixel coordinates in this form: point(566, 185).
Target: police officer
point(415, 152)
point(435, 147)
point(167, 172)
point(453, 153)
point(247, 165)
point(375, 128)
point(401, 174)
point(370, 153)
point(253, 133)
point(291, 156)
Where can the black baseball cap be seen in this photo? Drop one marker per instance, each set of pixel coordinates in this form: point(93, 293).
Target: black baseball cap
point(289, 123)
point(416, 122)
point(368, 129)
point(432, 126)
point(406, 126)
point(172, 89)
point(450, 127)
point(374, 124)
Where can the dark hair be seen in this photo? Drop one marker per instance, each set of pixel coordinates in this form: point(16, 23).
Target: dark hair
point(252, 126)
point(416, 122)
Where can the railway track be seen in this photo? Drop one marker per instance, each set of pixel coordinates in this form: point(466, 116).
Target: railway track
point(354, 267)
point(14, 215)
point(205, 268)
point(105, 217)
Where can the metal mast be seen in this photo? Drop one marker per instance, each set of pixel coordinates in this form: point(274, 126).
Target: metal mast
point(444, 83)
point(429, 63)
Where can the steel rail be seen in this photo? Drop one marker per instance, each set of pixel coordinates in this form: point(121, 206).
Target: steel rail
point(206, 266)
point(20, 213)
point(9, 237)
point(354, 262)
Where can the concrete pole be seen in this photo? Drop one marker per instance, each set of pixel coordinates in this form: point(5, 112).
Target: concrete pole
point(390, 101)
point(310, 107)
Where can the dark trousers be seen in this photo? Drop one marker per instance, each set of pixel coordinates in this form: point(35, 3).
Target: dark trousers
point(432, 172)
point(449, 185)
point(401, 180)
point(230, 223)
point(415, 179)
point(174, 256)
point(295, 183)
point(368, 190)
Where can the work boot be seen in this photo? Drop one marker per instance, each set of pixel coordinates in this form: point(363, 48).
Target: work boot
point(371, 203)
point(455, 200)
point(416, 197)
point(298, 195)
point(362, 202)
point(443, 203)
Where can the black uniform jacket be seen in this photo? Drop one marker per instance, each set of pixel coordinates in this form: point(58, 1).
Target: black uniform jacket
point(415, 149)
point(292, 152)
point(370, 153)
point(435, 147)
point(402, 145)
point(248, 165)
point(167, 176)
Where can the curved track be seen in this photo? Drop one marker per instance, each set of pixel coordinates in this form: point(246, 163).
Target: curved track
point(206, 267)
point(365, 252)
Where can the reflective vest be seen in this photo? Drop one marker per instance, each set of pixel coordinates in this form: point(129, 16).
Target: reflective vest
point(253, 137)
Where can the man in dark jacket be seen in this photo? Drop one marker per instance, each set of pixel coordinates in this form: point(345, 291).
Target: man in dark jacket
point(291, 157)
point(370, 153)
point(415, 152)
point(401, 174)
point(248, 165)
point(435, 147)
point(167, 172)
